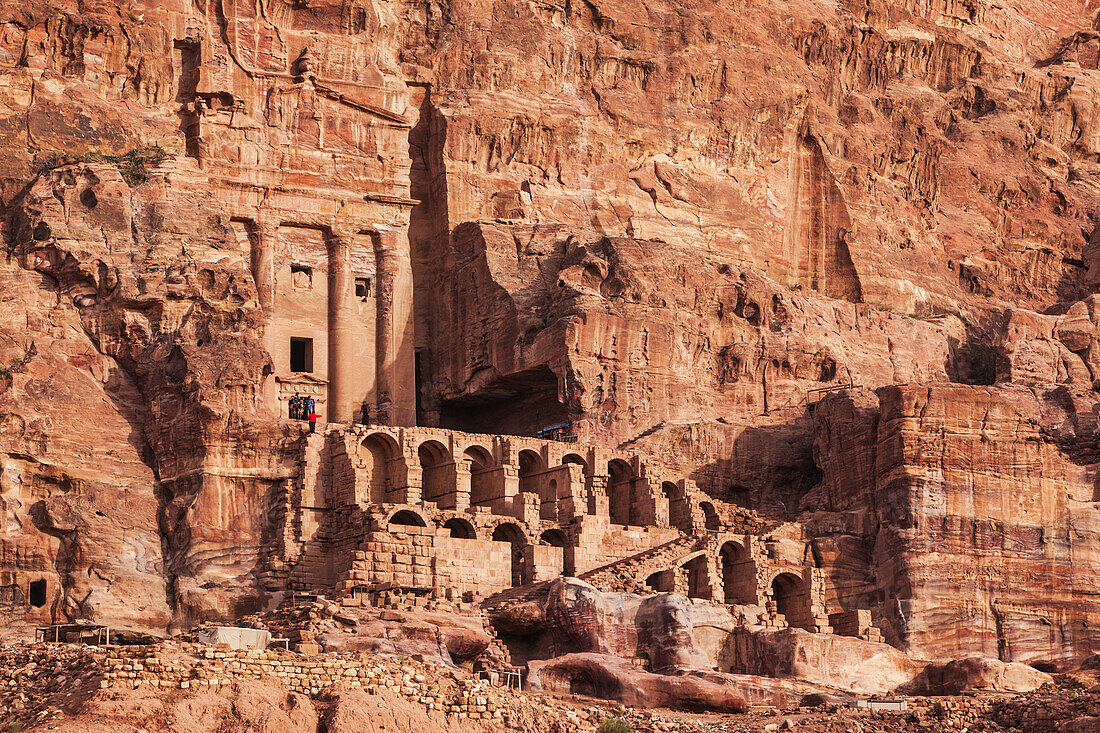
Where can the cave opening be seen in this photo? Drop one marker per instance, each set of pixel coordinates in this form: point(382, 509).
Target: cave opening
point(37, 593)
point(523, 403)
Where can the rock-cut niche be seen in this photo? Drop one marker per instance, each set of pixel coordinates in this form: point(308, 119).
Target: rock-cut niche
point(818, 227)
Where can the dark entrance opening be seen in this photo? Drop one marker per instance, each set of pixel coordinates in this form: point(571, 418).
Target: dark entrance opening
point(405, 518)
point(38, 593)
point(698, 577)
point(517, 404)
point(362, 288)
point(512, 534)
point(301, 355)
point(792, 600)
point(460, 529)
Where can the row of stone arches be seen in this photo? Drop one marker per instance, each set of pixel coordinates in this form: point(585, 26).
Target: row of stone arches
point(738, 583)
point(386, 472)
point(509, 532)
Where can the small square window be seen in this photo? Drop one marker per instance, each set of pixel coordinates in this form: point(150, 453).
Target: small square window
point(301, 355)
point(301, 277)
point(362, 288)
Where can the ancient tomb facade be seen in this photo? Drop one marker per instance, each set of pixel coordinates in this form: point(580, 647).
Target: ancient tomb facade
point(308, 149)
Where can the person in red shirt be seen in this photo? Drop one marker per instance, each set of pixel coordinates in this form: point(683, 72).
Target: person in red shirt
point(313, 422)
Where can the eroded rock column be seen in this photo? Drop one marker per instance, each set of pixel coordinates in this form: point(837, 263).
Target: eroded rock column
point(262, 257)
point(263, 263)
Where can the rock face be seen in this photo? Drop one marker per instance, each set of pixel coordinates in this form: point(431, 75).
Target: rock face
point(976, 673)
point(985, 494)
point(669, 631)
point(658, 228)
point(835, 661)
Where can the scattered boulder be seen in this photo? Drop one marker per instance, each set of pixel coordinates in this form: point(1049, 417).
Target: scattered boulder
point(975, 673)
point(612, 678)
point(843, 662)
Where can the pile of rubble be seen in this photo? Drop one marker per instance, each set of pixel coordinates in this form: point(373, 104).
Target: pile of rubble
point(1074, 707)
point(39, 683)
point(38, 680)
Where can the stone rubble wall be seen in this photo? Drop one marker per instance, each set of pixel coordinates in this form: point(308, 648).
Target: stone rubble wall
point(198, 666)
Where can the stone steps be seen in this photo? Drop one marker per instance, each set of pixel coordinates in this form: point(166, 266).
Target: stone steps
point(628, 569)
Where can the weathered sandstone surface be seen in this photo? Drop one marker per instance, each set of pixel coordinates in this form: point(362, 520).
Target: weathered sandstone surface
point(979, 493)
point(813, 285)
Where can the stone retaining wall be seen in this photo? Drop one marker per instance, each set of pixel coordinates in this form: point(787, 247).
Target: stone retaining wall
point(195, 666)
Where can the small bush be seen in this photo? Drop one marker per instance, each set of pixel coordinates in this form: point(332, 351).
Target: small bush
point(614, 725)
point(133, 165)
point(17, 366)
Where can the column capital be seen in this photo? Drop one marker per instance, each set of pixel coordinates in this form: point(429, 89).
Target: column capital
point(266, 226)
point(343, 234)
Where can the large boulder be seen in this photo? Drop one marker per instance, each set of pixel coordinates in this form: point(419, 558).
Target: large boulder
point(975, 673)
point(842, 662)
point(612, 678)
point(441, 636)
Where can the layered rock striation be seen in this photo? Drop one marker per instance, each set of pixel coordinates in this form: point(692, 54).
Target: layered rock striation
point(663, 228)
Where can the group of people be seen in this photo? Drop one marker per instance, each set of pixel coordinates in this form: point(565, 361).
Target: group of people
point(303, 408)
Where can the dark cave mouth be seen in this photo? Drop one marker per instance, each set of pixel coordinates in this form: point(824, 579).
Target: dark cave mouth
point(522, 403)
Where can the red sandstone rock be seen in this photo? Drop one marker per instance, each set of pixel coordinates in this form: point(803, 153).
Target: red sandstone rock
point(975, 673)
point(667, 227)
point(611, 678)
point(445, 637)
point(245, 705)
point(840, 662)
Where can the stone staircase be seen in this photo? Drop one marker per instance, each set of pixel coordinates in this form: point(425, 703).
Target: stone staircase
point(629, 573)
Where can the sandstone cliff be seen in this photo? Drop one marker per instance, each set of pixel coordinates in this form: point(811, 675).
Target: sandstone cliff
point(672, 226)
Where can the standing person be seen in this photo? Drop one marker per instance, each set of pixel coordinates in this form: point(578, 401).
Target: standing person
point(296, 407)
point(313, 420)
point(308, 408)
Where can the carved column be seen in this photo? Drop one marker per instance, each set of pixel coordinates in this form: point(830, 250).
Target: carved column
point(263, 263)
point(341, 315)
point(396, 380)
point(262, 260)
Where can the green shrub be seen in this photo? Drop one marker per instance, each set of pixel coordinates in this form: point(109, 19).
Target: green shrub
point(614, 725)
point(132, 165)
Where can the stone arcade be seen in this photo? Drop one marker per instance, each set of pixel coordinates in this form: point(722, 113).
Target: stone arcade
point(400, 211)
point(324, 216)
point(460, 516)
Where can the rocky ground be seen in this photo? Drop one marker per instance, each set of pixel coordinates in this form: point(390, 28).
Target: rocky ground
point(71, 687)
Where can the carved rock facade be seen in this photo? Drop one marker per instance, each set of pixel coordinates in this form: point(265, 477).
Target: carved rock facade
point(666, 232)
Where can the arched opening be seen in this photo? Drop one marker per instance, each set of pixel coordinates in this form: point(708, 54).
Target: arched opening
point(710, 516)
point(515, 537)
point(460, 529)
point(738, 574)
point(437, 474)
point(620, 491)
point(698, 577)
point(679, 515)
point(792, 600)
point(480, 463)
point(530, 465)
point(663, 581)
point(37, 593)
point(553, 537)
point(405, 518)
point(575, 460)
point(378, 455)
